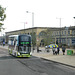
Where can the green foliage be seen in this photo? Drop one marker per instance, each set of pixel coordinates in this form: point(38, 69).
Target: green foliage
point(1, 24)
point(33, 38)
point(48, 37)
point(2, 15)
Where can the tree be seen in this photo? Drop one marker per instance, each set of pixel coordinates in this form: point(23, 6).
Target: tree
point(43, 37)
point(48, 38)
point(2, 16)
point(33, 39)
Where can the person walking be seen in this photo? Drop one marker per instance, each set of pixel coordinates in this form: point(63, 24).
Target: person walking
point(53, 49)
point(3, 43)
point(63, 50)
point(58, 50)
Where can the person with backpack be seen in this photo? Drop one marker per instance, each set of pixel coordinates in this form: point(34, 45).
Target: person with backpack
point(63, 50)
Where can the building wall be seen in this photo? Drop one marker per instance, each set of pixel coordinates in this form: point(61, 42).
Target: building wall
point(67, 35)
point(27, 31)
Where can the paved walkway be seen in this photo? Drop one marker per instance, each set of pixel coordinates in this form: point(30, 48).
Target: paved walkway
point(68, 60)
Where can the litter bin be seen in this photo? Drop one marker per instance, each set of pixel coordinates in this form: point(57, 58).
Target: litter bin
point(69, 52)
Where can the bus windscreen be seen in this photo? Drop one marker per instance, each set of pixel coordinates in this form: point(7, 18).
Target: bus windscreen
point(24, 38)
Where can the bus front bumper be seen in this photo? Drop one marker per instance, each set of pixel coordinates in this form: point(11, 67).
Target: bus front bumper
point(24, 55)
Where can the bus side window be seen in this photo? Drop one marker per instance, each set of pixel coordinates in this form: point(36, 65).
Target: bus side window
point(11, 42)
point(15, 42)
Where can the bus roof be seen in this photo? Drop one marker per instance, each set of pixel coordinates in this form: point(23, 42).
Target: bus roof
point(19, 35)
point(13, 35)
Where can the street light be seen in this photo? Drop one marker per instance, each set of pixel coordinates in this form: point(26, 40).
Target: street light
point(60, 28)
point(66, 28)
point(32, 25)
point(74, 21)
point(24, 26)
point(32, 21)
point(73, 33)
point(74, 17)
point(32, 17)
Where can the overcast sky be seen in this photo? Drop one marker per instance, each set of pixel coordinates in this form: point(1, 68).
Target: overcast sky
point(46, 13)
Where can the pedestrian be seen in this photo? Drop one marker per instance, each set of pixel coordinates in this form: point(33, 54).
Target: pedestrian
point(53, 49)
point(37, 49)
point(58, 50)
point(46, 48)
point(63, 50)
point(3, 43)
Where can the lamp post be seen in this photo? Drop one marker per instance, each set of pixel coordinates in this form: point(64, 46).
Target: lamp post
point(66, 28)
point(32, 25)
point(24, 26)
point(32, 17)
point(32, 21)
point(60, 28)
point(74, 27)
point(74, 21)
point(73, 33)
point(74, 17)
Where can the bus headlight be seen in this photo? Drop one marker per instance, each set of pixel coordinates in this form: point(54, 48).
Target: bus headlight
point(18, 53)
point(30, 53)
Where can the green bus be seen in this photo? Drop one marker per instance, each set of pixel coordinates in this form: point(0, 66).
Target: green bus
point(20, 45)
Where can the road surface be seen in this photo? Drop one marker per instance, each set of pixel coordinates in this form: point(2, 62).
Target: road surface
point(10, 65)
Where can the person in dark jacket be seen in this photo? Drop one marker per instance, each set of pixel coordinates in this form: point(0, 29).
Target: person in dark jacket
point(63, 50)
point(58, 50)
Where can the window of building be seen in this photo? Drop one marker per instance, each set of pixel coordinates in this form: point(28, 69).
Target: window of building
point(73, 32)
point(68, 32)
point(42, 33)
point(62, 32)
point(63, 41)
point(65, 32)
point(57, 33)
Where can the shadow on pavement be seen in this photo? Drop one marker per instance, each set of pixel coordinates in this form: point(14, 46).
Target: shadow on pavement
point(13, 57)
point(7, 57)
